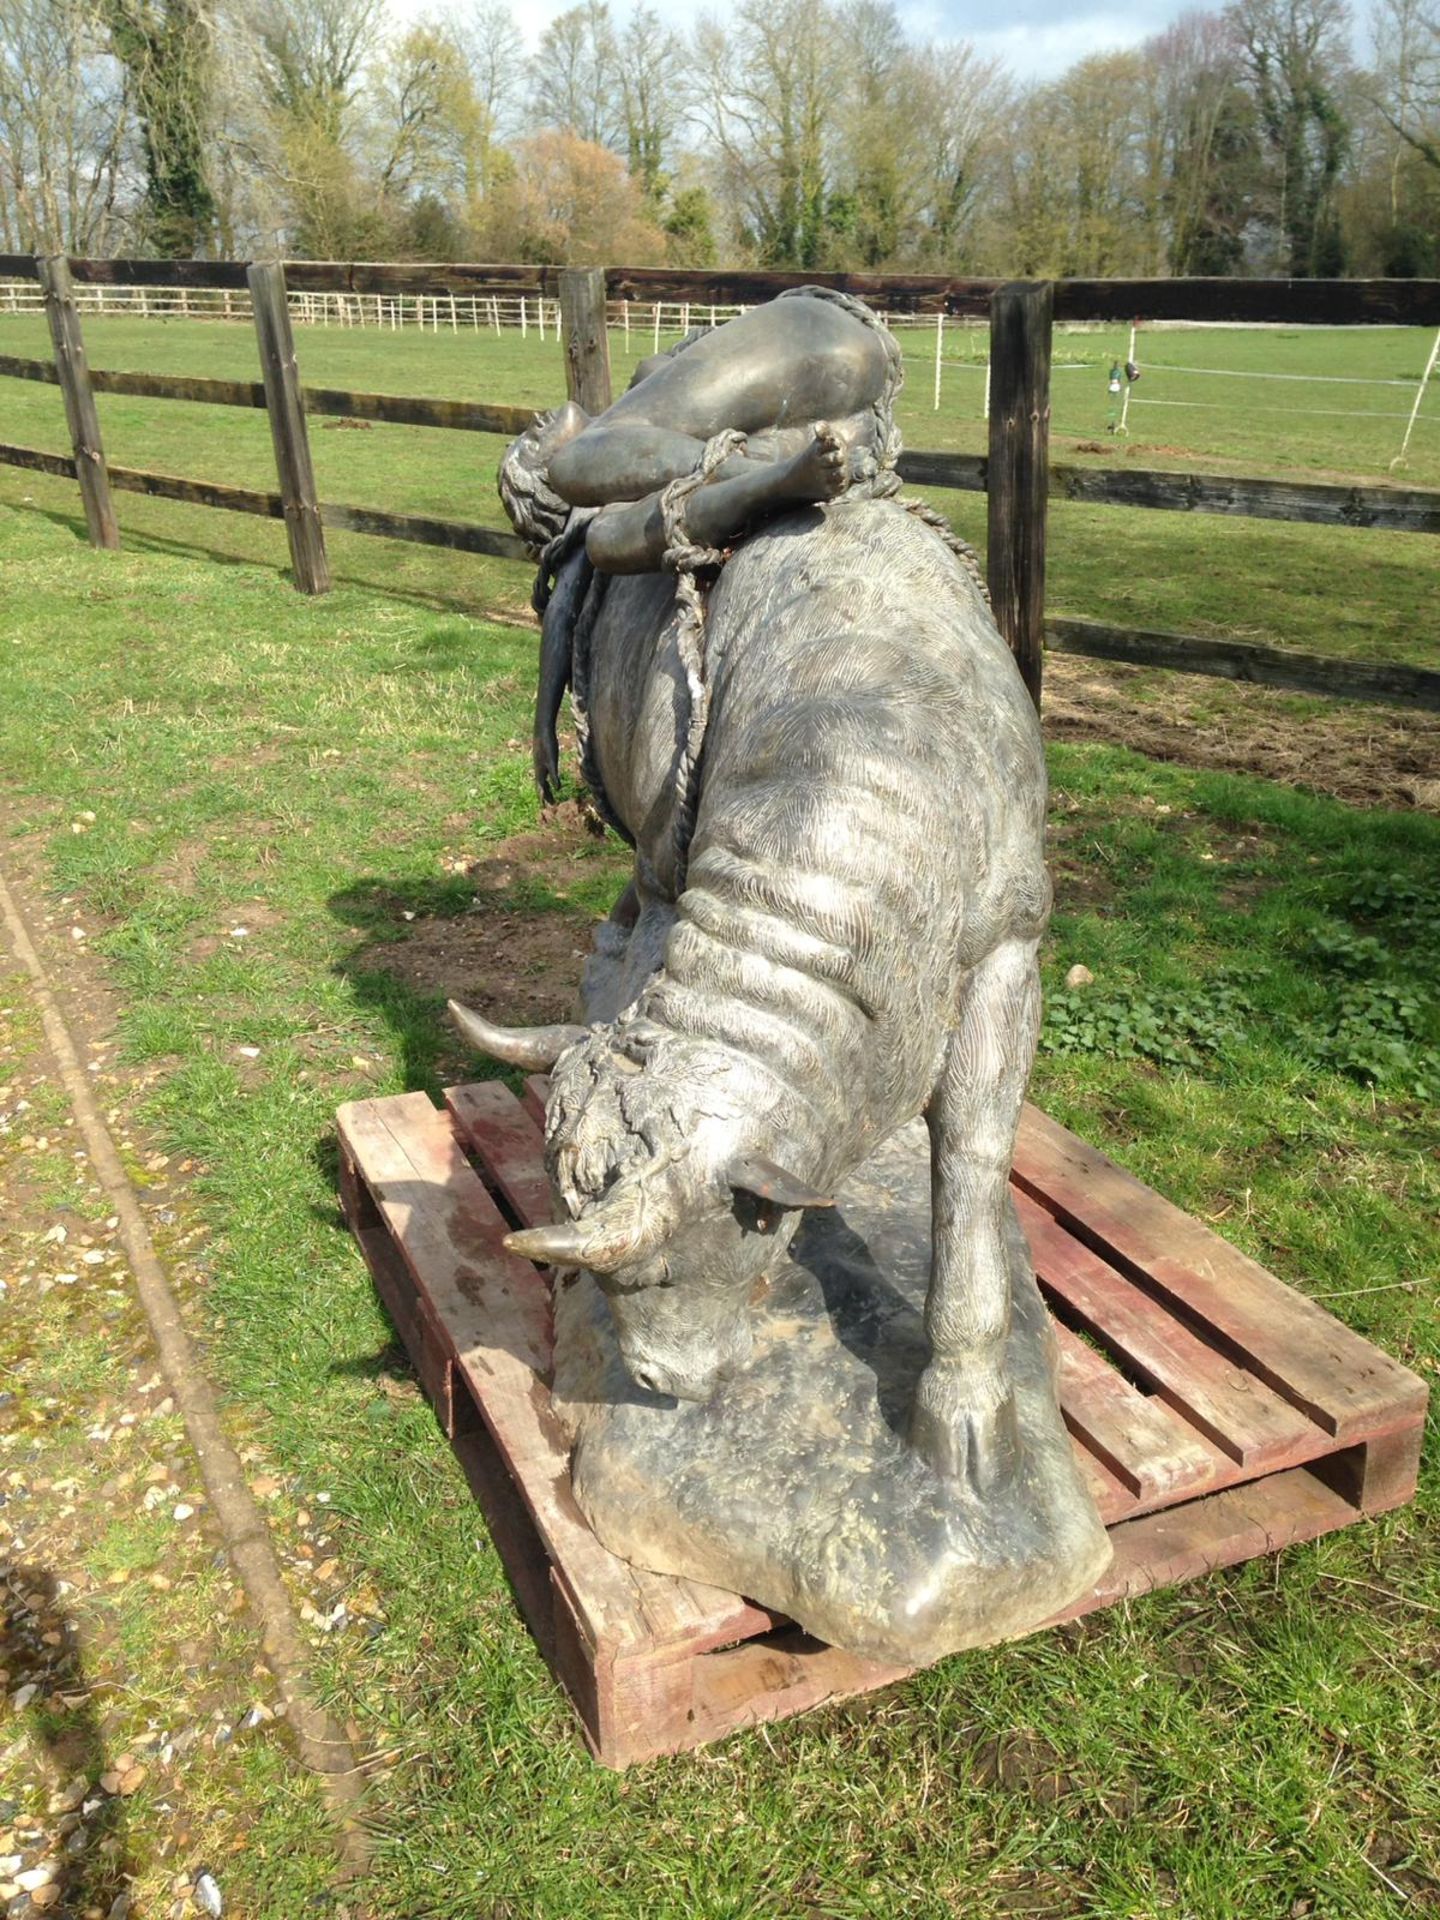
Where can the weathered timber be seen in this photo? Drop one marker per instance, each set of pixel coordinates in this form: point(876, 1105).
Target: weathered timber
point(198, 493)
point(1256, 497)
point(15, 368)
point(422, 277)
point(892, 292)
point(1020, 329)
point(19, 266)
point(1388, 682)
point(169, 386)
point(80, 416)
point(586, 338)
point(961, 472)
point(1388, 509)
point(36, 460)
point(322, 276)
point(1393, 509)
point(286, 409)
point(1414, 303)
point(161, 273)
point(147, 386)
point(464, 416)
point(456, 534)
point(1305, 303)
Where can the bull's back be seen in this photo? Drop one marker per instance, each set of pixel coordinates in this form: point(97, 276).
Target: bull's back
point(872, 809)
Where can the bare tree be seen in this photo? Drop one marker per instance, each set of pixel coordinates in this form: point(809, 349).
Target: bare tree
point(67, 148)
point(1406, 86)
point(960, 107)
point(165, 47)
point(1207, 122)
point(1297, 61)
point(574, 77)
point(651, 76)
point(495, 50)
point(311, 56)
point(770, 105)
point(430, 128)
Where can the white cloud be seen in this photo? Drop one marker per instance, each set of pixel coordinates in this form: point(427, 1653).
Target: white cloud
point(1038, 40)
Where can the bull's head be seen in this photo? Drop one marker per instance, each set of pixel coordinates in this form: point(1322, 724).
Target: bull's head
point(651, 1142)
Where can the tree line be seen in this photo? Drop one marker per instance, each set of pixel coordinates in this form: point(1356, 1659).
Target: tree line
point(787, 133)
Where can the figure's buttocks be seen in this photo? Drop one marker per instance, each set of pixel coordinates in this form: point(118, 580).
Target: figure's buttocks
point(788, 362)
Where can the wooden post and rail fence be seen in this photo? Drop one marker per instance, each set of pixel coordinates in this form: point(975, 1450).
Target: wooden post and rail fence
point(1015, 473)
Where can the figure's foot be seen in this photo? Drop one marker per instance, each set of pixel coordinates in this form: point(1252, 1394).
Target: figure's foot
point(820, 470)
point(964, 1423)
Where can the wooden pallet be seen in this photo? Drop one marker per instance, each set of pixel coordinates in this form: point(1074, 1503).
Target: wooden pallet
point(1217, 1413)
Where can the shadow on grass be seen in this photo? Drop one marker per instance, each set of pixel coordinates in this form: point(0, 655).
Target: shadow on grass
point(512, 945)
point(94, 1870)
point(376, 579)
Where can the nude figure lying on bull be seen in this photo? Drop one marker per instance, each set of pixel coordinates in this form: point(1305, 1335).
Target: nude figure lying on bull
point(838, 898)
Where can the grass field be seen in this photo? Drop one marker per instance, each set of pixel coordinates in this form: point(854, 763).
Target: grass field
point(347, 782)
point(1366, 595)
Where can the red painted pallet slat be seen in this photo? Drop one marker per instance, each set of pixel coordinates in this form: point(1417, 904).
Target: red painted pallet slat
point(1216, 1413)
point(1306, 1355)
point(1232, 1409)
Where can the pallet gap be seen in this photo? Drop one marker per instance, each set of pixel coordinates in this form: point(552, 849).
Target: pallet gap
point(1181, 1311)
point(1131, 1372)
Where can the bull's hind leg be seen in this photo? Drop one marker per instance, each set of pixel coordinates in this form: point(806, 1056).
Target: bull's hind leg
point(963, 1422)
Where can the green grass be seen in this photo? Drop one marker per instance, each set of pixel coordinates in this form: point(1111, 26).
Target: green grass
point(1262, 1743)
point(1348, 592)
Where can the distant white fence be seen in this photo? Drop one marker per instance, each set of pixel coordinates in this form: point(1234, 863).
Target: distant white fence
point(634, 320)
point(435, 313)
point(945, 345)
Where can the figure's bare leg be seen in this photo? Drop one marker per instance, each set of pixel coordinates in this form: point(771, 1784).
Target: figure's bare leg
point(623, 460)
point(963, 1422)
point(631, 539)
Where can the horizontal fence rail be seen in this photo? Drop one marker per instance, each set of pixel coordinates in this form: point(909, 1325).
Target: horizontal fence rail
point(1390, 303)
point(452, 295)
point(459, 535)
point(1289, 668)
point(1392, 509)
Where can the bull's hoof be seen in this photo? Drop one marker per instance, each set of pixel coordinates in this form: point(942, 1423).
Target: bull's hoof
point(964, 1424)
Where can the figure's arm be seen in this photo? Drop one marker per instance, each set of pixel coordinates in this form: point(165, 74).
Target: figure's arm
point(631, 539)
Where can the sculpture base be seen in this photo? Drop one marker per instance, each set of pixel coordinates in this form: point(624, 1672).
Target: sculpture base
point(795, 1484)
point(1216, 1413)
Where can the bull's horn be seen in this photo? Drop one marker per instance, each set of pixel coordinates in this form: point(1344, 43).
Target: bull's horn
point(627, 1223)
point(536, 1049)
point(757, 1175)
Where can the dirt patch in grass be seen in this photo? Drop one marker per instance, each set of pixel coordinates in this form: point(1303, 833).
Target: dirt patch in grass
point(519, 967)
point(1366, 755)
point(516, 951)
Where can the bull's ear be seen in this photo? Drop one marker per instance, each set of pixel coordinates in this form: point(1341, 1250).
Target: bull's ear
point(767, 1181)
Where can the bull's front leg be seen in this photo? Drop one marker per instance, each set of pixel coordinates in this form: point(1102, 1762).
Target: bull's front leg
point(963, 1422)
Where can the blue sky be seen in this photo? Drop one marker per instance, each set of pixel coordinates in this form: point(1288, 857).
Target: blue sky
point(1036, 39)
point(1040, 38)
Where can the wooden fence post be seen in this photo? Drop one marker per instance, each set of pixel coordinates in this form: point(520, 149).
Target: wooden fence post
point(80, 415)
point(587, 345)
point(1018, 471)
point(286, 411)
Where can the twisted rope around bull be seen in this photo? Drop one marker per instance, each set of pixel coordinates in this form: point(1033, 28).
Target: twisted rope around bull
point(685, 559)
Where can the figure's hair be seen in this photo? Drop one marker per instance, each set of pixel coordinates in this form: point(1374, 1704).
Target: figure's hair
point(536, 511)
